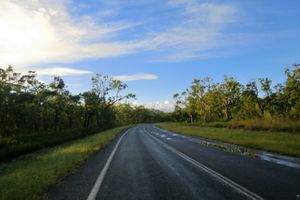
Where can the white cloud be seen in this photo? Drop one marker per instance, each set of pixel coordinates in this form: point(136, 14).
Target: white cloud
point(61, 71)
point(33, 32)
point(135, 77)
point(166, 106)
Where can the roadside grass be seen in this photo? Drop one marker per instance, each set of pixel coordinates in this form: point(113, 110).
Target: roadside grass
point(279, 142)
point(17, 145)
point(30, 176)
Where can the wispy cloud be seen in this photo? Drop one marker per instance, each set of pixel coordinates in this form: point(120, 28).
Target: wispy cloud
point(61, 71)
point(36, 32)
point(135, 77)
point(198, 31)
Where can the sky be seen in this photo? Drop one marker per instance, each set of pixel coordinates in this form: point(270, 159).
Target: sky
point(157, 47)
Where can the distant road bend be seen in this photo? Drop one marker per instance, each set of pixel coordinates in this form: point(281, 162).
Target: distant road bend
point(147, 163)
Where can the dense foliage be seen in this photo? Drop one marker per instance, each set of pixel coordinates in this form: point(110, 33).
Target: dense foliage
point(207, 101)
point(29, 106)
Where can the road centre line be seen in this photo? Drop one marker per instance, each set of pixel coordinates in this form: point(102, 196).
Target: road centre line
point(211, 172)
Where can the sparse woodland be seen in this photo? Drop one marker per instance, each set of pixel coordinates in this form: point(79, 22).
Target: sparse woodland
point(258, 104)
point(34, 114)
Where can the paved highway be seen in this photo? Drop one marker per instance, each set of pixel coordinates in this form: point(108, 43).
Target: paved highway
point(147, 163)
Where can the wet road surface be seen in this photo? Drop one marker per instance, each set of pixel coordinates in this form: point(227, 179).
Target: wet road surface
point(146, 162)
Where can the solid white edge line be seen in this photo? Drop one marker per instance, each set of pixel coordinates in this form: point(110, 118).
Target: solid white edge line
point(213, 173)
point(97, 185)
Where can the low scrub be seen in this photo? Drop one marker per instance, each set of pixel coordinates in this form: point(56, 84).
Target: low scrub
point(270, 124)
point(263, 124)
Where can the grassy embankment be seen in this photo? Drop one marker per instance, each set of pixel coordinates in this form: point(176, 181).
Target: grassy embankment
point(287, 143)
point(29, 176)
point(16, 145)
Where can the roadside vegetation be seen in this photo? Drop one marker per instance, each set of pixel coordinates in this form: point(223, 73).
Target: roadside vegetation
point(257, 105)
point(263, 124)
point(30, 176)
point(258, 114)
point(267, 124)
point(34, 115)
point(286, 143)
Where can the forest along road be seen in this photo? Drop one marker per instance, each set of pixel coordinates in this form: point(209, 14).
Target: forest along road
point(146, 162)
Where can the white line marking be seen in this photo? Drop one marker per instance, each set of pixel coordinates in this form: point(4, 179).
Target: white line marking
point(213, 173)
point(97, 185)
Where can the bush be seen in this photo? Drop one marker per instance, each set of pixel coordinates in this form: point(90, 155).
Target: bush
point(270, 124)
point(266, 124)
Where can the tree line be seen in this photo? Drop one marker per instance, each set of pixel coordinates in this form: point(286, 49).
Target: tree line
point(208, 101)
point(29, 106)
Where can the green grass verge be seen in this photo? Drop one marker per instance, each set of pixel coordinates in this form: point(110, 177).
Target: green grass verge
point(30, 176)
point(278, 142)
point(17, 145)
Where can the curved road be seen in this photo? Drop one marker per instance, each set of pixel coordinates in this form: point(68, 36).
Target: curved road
point(150, 163)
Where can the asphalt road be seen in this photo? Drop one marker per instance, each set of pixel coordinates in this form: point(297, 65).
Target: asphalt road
point(149, 163)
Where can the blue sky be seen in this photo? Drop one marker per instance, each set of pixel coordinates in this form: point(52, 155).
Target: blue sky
point(156, 46)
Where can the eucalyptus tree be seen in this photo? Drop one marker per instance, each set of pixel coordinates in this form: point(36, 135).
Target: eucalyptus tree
point(183, 107)
point(231, 91)
point(292, 90)
point(58, 100)
point(105, 93)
